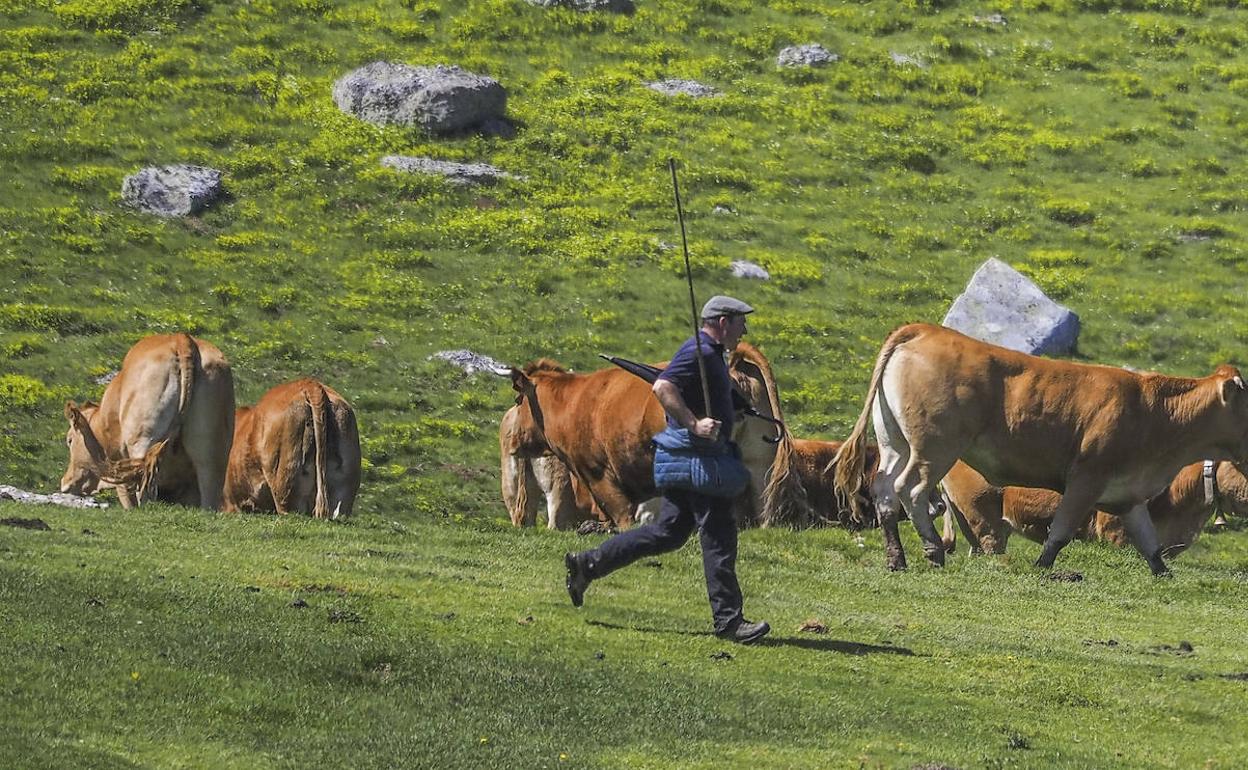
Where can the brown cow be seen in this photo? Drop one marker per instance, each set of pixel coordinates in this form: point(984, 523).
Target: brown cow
point(297, 449)
point(162, 430)
point(988, 515)
point(801, 493)
point(1106, 438)
point(600, 425)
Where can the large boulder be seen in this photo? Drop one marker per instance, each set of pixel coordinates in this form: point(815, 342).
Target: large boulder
point(614, 6)
point(1002, 306)
point(441, 99)
point(172, 191)
point(455, 173)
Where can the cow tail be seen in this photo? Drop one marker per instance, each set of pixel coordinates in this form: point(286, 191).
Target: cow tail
point(319, 404)
point(849, 464)
point(188, 362)
point(137, 473)
point(784, 498)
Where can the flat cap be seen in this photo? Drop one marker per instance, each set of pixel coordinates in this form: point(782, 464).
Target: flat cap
point(723, 305)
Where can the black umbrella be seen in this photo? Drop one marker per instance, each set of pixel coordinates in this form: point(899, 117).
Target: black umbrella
point(651, 373)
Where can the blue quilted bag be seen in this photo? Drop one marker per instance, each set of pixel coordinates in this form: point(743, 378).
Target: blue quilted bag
point(683, 461)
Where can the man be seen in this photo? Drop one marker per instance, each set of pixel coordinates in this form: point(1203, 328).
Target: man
point(679, 391)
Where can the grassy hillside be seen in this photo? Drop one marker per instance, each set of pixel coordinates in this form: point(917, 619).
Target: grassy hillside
point(1094, 145)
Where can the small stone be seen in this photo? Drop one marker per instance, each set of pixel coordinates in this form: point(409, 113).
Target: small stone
point(611, 6)
point(992, 18)
point(469, 361)
point(456, 173)
point(905, 60)
point(810, 55)
point(676, 87)
point(744, 269)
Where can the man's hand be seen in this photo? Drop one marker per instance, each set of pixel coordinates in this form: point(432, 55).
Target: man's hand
point(706, 428)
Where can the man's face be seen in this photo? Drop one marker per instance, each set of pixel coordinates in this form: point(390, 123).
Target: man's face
point(734, 330)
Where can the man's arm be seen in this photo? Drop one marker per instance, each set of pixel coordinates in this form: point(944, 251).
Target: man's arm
point(669, 398)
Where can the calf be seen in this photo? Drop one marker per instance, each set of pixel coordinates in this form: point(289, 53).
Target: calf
point(987, 515)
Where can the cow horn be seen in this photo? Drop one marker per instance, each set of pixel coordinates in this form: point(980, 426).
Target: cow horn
point(502, 371)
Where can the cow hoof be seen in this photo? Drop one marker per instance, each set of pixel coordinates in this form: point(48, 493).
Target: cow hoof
point(897, 565)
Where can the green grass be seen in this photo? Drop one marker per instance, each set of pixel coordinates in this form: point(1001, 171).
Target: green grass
point(1096, 145)
point(167, 638)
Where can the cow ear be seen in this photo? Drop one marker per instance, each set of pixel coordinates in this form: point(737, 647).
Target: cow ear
point(1231, 386)
point(73, 414)
point(520, 382)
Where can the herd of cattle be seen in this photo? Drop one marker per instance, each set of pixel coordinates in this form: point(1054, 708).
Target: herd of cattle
point(166, 429)
point(988, 435)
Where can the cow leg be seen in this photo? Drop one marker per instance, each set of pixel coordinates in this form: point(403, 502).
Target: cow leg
point(1143, 534)
point(914, 488)
point(886, 510)
point(1073, 512)
point(894, 449)
point(612, 501)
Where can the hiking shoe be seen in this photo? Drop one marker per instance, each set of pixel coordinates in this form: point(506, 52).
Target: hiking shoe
point(578, 577)
point(744, 632)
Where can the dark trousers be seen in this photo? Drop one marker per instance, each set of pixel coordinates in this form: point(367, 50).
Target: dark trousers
point(680, 512)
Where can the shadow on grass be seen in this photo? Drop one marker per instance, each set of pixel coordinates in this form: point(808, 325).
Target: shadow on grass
point(834, 645)
point(822, 645)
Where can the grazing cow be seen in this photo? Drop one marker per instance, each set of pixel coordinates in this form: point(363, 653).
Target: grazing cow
point(1106, 438)
point(800, 492)
point(162, 430)
point(987, 515)
point(297, 449)
point(600, 425)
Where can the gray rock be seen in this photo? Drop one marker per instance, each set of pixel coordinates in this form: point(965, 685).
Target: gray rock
point(172, 191)
point(682, 88)
point(811, 55)
point(614, 6)
point(455, 173)
point(440, 99)
point(1002, 306)
point(905, 60)
point(743, 269)
point(470, 362)
point(56, 498)
point(992, 18)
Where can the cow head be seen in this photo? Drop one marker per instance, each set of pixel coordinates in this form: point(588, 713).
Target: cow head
point(87, 459)
point(530, 425)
